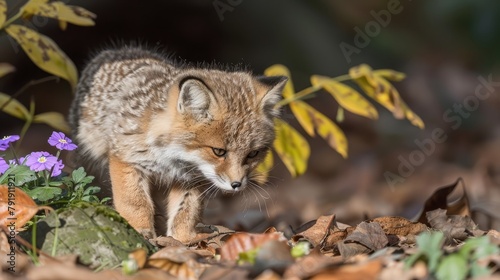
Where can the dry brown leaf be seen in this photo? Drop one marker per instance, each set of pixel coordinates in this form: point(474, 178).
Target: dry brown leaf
point(167, 241)
point(268, 274)
point(494, 236)
point(310, 265)
point(9, 250)
point(329, 244)
point(140, 256)
point(315, 231)
point(217, 272)
point(179, 262)
point(366, 238)
point(400, 226)
point(16, 207)
point(453, 226)
point(361, 271)
point(63, 272)
point(143, 274)
point(274, 255)
point(204, 250)
point(439, 200)
point(242, 242)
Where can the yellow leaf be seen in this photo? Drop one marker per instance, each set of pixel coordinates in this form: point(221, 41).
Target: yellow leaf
point(281, 70)
point(263, 169)
point(14, 107)
point(60, 11)
point(347, 97)
point(384, 94)
point(6, 68)
point(327, 129)
point(376, 86)
point(44, 52)
point(3, 12)
point(63, 25)
point(390, 74)
point(266, 165)
point(53, 119)
point(301, 113)
point(289, 92)
point(411, 116)
point(291, 147)
point(363, 71)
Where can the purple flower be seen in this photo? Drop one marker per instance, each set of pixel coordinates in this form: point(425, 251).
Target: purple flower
point(3, 166)
point(57, 168)
point(39, 161)
point(14, 162)
point(4, 142)
point(60, 141)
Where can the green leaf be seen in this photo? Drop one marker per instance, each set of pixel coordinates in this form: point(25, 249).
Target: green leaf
point(44, 52)
point(54, 119)
point(104, 200)
point(411, 260)
point(55, 184)
point(44, 193)
point(431, 245)
point(22, 175)
point(453, 267)
point(6, 68)
point(78, 175)
point(291, 147)
point(91, 190)
point(477, 270)
point(60, 11)
point(14, 107)
point(301, 249)
point(478, 247)
point(248, 256)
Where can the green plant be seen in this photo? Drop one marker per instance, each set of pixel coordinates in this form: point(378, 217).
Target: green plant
point(40, 175)
point(469, 260)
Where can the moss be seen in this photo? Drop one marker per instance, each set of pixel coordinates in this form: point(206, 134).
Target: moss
point(94, 232)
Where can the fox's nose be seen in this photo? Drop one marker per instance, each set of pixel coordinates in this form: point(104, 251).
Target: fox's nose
point(235, 185)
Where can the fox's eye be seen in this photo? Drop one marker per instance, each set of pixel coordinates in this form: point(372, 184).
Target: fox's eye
point(253, 154)
point(219, 152)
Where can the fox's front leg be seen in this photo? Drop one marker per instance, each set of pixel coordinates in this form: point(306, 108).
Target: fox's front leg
point(131, 196)
point(184, 212)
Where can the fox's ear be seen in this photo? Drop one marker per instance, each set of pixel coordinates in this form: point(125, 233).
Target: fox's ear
point(195, 98)
point(273, 86)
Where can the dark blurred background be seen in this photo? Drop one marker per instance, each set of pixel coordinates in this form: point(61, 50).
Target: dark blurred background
point(442, 46)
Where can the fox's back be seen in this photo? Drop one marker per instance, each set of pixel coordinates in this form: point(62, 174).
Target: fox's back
point(115, 90)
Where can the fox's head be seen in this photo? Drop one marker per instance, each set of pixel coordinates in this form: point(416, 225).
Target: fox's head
point(219, 125)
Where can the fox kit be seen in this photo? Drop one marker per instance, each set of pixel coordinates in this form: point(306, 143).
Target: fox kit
point(166, 133)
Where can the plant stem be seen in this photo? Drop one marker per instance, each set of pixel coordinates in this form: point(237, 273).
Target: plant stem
point(26, 86)
point(33, 240)
point(27, 124)
point(14, 154)
point(301, 94)
point(12, 19)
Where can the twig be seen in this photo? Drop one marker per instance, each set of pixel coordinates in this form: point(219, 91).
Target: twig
point(26, 86)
